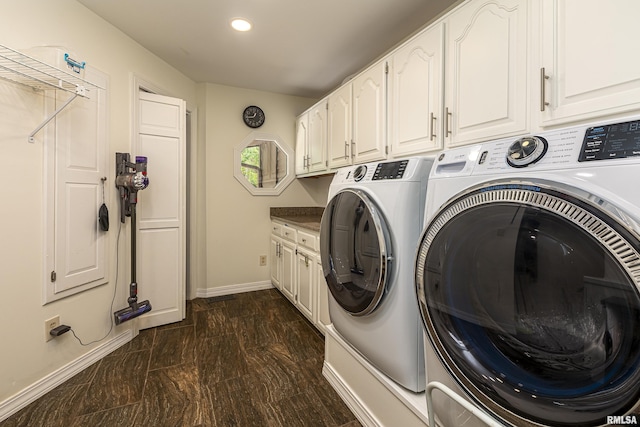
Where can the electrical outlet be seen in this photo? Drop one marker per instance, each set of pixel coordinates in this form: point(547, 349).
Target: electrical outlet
point(263, 260)
point(50, 324)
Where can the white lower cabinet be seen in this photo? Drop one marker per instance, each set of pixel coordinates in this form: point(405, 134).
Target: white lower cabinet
point(305, 295)
point(322, 302)
point(297, 273)
point(288, 281)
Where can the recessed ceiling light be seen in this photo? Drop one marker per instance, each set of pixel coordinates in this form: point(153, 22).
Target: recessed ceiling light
point(241, 24)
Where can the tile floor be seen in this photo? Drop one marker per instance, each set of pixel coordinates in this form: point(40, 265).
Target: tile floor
point(248, 360)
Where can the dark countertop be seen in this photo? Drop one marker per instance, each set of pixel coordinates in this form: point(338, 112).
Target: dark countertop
point(308, 218)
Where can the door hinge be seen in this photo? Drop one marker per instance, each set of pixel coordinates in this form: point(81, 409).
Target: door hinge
point(53, 276)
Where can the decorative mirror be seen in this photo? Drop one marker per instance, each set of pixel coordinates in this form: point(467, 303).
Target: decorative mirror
point(263, 164)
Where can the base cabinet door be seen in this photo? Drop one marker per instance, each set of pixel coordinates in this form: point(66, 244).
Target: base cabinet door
point(322, 298)
point(276, 262)
point(305, 295)
point(288, 279)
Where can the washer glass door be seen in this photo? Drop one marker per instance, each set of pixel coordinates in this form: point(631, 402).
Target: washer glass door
point(354, 249)
point(530, 297)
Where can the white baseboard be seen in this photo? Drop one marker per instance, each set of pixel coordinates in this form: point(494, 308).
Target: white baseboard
point(38, 389)
point(348, 397)
point(234, 289)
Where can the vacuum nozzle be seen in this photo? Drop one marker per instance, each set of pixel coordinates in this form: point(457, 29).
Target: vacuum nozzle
point(131, 312)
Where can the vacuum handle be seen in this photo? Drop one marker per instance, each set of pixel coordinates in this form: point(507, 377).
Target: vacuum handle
point(133, 243)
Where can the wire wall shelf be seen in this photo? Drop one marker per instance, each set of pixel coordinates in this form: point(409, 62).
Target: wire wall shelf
point(25, 70)
point(19, 68)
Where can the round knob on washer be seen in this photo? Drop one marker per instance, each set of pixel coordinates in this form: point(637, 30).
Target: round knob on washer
point(526, 151)
point(360, 172)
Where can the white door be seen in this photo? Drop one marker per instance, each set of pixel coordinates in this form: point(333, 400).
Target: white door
point(415, 95)
point(339, 122)
point(369, 114)
point(75, 150)
point(589, 59)
point(302, 140)
point(161, 209)
point(486, 71)
point(305, 294)
point(317, 153)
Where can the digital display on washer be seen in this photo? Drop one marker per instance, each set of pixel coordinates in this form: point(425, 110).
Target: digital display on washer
point(615, 141)
point(391, 170)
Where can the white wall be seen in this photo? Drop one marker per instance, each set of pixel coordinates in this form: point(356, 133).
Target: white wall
point(238, 223)
point(230, 226)
point(25, 358)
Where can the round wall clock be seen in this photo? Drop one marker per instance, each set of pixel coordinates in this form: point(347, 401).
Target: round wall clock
point(253, 116)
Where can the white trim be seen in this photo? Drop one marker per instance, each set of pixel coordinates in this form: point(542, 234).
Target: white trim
point(350, 399)
point(234, 289)
point(38, 389)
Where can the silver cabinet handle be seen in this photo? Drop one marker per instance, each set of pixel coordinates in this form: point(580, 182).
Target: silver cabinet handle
point(433, 135)
point(353, 151)
point(346, 148)
point(449, 116)
point(543, 95)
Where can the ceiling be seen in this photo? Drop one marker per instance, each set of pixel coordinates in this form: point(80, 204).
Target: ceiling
point(296, 47)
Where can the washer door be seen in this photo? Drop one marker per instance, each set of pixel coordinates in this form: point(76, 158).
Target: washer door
point(529, 293)
point(354, 249)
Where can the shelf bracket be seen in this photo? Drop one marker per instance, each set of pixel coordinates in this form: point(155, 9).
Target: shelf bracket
point(80, 90)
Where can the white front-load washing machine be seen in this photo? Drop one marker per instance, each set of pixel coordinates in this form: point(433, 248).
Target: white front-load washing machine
point(528, 277)
point(368, 238)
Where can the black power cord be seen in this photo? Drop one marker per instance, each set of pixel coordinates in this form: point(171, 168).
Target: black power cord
point(115, 288)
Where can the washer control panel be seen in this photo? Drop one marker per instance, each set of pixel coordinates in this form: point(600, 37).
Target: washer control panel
point(390, 170)
point(614, 141)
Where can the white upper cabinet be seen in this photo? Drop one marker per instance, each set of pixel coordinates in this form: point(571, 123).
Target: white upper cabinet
point(302, 141)
point(415, 95)
point(589, 60)
point(311, 140)
point(486, 94)
point(339, 133)
point(369, 114)
point(317, 149)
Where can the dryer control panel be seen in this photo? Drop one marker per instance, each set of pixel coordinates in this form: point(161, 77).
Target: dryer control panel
point(390, 170)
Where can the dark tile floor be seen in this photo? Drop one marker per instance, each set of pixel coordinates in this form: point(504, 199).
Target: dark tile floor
point(249, 360)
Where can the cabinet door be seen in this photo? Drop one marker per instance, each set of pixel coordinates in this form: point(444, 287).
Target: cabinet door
point(305, 298)
point(486, 69)
point(415, 95)
point(339, 121)
point(302, 138)
point(317, 146)
point(276, 262)
point(322, 298)
point(288, 278)
point(588, 56)
point(369, 118)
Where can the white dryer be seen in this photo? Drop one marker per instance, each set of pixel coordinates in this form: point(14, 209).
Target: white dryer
point(368, 238)
point(528, 277)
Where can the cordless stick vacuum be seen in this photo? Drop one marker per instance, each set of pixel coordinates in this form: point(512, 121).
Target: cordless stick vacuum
point(131, 178)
